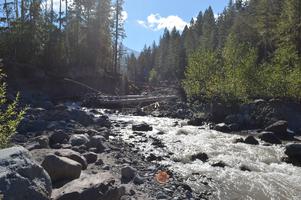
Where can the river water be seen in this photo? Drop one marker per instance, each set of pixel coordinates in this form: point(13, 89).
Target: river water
point(269, 178)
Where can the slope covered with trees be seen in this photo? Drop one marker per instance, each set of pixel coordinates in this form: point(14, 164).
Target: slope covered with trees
point(252, 49)
point(74, 37)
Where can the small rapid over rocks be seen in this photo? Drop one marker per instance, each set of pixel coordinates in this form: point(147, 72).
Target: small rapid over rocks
point(233, 170)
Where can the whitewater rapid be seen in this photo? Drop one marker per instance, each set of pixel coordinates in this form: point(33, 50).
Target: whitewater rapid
point(269, 178)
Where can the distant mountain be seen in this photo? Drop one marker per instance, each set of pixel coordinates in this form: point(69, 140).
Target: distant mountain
point(130, 51)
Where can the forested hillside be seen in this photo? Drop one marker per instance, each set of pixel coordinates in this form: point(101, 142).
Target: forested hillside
point(74, 37)
point(252, 49)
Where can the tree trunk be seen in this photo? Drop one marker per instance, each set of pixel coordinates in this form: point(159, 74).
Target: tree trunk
point(60, 16)
point(116, 38)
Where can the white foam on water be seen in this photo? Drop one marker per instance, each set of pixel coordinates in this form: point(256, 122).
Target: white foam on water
point(268, 179)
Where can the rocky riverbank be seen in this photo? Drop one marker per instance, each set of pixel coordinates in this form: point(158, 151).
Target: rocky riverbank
point(61, 152)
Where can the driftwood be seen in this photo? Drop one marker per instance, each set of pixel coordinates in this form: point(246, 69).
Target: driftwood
point(125, 101)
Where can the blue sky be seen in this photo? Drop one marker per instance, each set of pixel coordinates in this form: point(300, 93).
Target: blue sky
point(146, 19)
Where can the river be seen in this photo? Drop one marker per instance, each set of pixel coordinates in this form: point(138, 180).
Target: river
point(269, 178)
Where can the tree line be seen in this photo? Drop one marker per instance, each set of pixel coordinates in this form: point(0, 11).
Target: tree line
point(252, 49)
point(64, 37)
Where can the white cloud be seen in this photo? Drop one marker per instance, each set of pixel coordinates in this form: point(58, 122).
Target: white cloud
point(155, 22)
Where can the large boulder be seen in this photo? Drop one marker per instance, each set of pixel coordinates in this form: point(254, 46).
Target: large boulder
point(73, 155)
point(269, 137)
point(78, 139)
point(251, 140)
point(99, 186)
point(222, 127)
point(279, 128)
point(21, 178)
point(293, 151)
point(142, 127)
point(61, 168)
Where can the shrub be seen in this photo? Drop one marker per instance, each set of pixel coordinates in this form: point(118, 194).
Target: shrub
point(10, 116)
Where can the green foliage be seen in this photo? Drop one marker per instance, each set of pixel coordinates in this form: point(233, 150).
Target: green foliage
point(10, 117)
point(153, 76)
point(201, 76)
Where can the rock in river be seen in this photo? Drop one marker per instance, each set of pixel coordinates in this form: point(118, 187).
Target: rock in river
point(293, 151)
point(251, 140)
point(142, 127)
point(21, 178)
point(279, 128)
point(269, 137)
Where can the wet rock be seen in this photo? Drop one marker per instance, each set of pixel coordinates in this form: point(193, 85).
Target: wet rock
point(196, 121)
point(153, 157)
point(68, 153)
point(218, 112)
point(219, 164)
point(21, 178)
point(244, 168)
point(269, 137)
point(142, 127)
point(251, 140)
point(99, 186)
point(128, 173)
point(279, 128)
point(234, 127)
point(293, 151)
point(58, 137)
point(222, 127)
point(61, 168)
point(238, 140)
point(200, 156)
point(91, 157)
point(77, 140)
point(138, 180)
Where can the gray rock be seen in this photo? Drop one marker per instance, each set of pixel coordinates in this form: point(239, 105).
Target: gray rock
point(196, 121)
point(61, 168)
point(91, 157)
point(128, 173)
point(97, 141)
point(21, 178)
point(200, 156)
point(222, 127)
point(99, 186)
point(77, 140)
point(73, 155)
point(142, 127)
point(28, 125)
point(43, 142)
point(138, 180)
point(293, 151)
point(58, 137)
point(279, 128)
point(269, 137)
point(251, 140)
